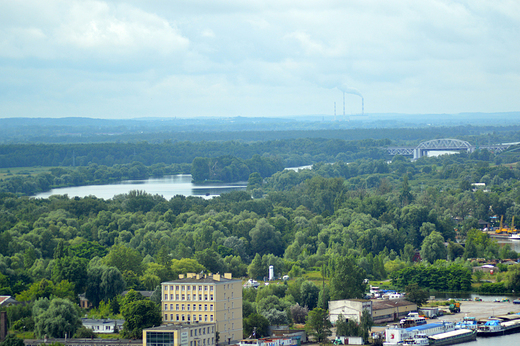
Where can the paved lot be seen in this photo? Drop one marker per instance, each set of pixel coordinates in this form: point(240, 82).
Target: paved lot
point(482, 310)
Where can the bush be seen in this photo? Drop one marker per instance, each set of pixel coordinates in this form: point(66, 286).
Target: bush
point(493, 288)
point(85, 333)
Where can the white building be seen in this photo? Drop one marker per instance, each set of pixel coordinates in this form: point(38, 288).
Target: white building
point(351, 309)
point(103, 325)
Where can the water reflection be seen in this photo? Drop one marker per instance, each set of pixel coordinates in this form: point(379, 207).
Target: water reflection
point(168, 187)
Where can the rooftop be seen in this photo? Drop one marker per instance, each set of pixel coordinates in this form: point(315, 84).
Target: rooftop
point(387, 304)
point(203, 278)
point(170, 327)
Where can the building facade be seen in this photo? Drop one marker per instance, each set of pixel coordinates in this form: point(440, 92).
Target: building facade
point(198, 298)
point(350, 309)
point(195, 334)
point(103, 325)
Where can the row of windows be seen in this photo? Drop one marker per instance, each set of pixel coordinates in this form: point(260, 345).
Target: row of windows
point(202, 342)
point(202, 331)
point(187, 317)
point(187, 307)
point(188, 297)
point(190, 288)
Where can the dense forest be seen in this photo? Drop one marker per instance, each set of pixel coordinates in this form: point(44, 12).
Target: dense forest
point(342, 223)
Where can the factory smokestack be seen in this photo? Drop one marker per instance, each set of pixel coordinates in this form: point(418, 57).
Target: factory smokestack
point(343, 104)
point(353, 91)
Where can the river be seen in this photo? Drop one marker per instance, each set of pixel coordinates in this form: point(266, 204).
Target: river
point(167, 186)
point(504, 340)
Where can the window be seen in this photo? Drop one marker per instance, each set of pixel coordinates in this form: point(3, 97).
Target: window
point(232, 315)
point(177, 317)
point(205, 297)
point(191, 332)
point(171, 288)
point(211, 297)
point(166, 297)
point(211, 288)
point(195, 332)
point(188, 296)
point(200, 288)
point(182, 288)
point(211, 318)
point(200, 317)
point(205, 307)
point(194, 288)
point(200, 307)
point(182, 307)
point(188, 307)
point(183, 317)
point(176, 306)
point(232, 294)
point(205, 288)
point(188, 317)
point(165, 317)
point(225, 306)
point(165, 306)
point(194, 307)
point(205, 318)
point(200, 296)
point(171, 317)
point(232, 305)
point(183, 297)
point(211, 307)
point(224, 296)
point(176, 297)
point(176, 288)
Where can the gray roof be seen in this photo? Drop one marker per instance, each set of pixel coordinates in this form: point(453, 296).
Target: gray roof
point(178, 326)
point(101, 321)
point(207, 280)
point(386, 304)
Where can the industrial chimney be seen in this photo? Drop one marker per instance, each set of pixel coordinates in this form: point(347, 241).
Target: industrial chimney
point(343, 104)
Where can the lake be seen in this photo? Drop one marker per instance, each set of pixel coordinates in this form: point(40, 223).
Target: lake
point(167, 186)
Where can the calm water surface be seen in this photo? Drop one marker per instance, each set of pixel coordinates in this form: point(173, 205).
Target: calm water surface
point(504, 340)
point(168, 187)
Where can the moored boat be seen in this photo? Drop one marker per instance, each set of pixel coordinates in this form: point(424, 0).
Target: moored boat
point(453, 337)
point(467, 323)
point(417, 340)
point(491, 328)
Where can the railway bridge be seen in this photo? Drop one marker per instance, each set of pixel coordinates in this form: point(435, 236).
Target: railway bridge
point(446, 144)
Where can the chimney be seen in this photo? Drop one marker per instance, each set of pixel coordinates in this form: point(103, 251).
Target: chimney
point(343, 103)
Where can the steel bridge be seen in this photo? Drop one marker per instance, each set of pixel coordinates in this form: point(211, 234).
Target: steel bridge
point(446, 144)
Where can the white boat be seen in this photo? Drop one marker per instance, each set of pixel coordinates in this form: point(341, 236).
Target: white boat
point(515, 236)
point(417, 340)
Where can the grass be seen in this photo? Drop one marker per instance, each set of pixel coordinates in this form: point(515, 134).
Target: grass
point(22, 171)
point(25, 335)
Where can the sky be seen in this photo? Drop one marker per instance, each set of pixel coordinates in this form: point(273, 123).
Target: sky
point(257, 58)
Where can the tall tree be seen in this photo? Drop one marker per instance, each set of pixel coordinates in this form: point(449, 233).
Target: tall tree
point(348, 280)
point(318, 324)
point(433, 247)
point(139, 315)
point(416, 295)
point(55, 318)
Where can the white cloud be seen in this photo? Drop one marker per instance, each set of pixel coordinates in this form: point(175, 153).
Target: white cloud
point(206, 57)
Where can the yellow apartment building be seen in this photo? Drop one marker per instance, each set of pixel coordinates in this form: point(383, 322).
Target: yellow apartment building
point(180, 335)
point(205, 298)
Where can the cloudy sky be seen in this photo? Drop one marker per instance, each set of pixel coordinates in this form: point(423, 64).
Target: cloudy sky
point(186, 58)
